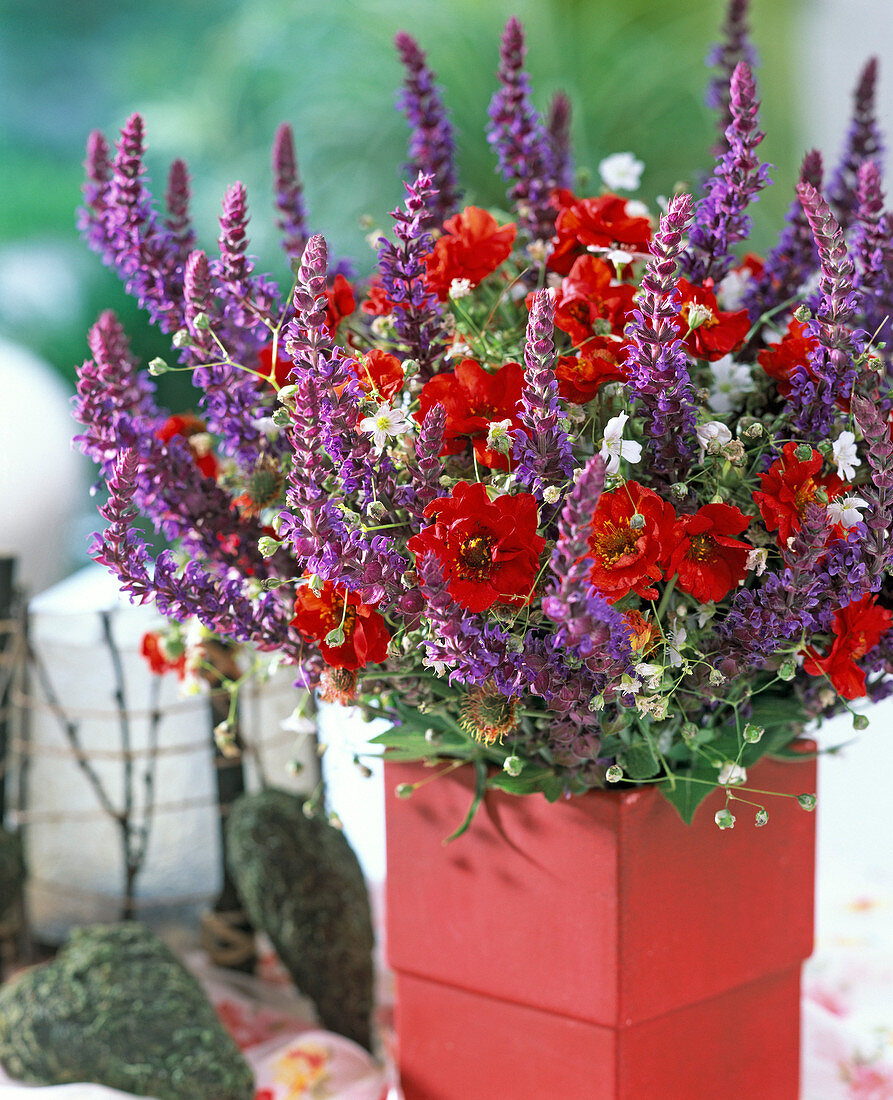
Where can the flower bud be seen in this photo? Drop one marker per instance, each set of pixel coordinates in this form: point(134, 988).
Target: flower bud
point(803, 451)
point(679, 490)
point(157, 366)
point(201, 321)
point(551, 493)
point(803, 313)
point(513, 765)
point(636, 521)
point(724, 819)
point(689, 732)
point(268, 546)
point(753, 733)
point(761, 818)
point(860, 721)
point(404, 790)
point(181, 338)
point(807, 801)
point(716, 677)
point(376, 510)
point(281, 417)
point(787, 670)
point(614, 774)
point(335, 638)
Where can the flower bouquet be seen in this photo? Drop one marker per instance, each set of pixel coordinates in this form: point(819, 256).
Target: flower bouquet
point(572, 493)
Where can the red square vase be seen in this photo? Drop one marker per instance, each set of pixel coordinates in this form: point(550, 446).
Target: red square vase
point(598, 948)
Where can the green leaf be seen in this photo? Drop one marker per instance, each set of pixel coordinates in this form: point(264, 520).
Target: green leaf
point(686, 796)
point(639, 760)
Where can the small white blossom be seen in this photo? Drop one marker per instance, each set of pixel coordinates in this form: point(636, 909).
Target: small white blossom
point(756, 561)
point(650, 675)
point(551, 493)
point(385, 423)
point(460, 288)
point(730, 381)
point(458, 350)
point(845, 510)
point(731, 291)
point(844, 451)
point(712, 437)
point(654, 706)
point(621, 171)
point(676, 643)
point(731, 775)
point(636, 209)
point(619, 256)
point(615, 447)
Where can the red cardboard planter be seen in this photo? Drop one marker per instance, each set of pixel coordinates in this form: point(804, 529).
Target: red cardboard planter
point(598, 948)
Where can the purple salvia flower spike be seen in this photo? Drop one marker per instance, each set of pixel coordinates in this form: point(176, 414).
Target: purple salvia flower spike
point(197, 301)
point(874, 426)
point(863, 142)
point(418, 318)
point(588, 626)
point(292, 219)
point(519, 136)
point(658, 366)
point(873, 252)
point(543, 453)
point(558, 127)
point(795, 258)
point(739, 176)
point(93, 215)
point(178, 221)
point(428, 467)
point(735, 46)
point(832, 363)
point(431, 143)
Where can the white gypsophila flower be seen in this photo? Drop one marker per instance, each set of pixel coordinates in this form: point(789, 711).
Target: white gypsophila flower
point(458, 350)
point(845, 455)
point(615, 447)
point(653, 706)
point(846, 510)
point(650, 675)
point(731, 291)
point(756, 561)
point(712, 436)
point(619, 256)
point(551, 493)
point(385, 423)
point(731, 775)
point(621, 171)
point(460, 288)
point(730, 381)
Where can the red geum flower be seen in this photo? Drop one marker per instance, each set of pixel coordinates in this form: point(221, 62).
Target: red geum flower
point(366, 635)
point(380, 374)
point(580, 376)
point(707, 560)
point(473, 399)
point(489, 549)
point(276, 373)
point(589, 294)
point(159, 658)
point(472, 247)
point(714, 332)
point(788, 486)
point(793, 350)
point(601, 222)
point(340, 302)
point(858, 627)
point(631, 535)
point(189, 426)
point(378, 304)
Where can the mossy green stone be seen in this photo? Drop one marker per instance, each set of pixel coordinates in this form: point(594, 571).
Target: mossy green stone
point(12, 870)
point(117, 1008)
point(302, 885)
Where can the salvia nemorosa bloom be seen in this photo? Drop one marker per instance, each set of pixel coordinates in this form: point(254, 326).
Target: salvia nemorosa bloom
point(793, 261)
point(177, 221)
point(520, 139)
point(558, 128)
point(291, 218)
point(871, 418)
point(831, 374)
point(721, 218)
point(734, 46)
point(658, 366)
point(587, 625)
point(92, 215)
point(427, 468)
point(863, 142)
point(417, 317)
point(431, 142)
point(873, 254)
point(543, 454)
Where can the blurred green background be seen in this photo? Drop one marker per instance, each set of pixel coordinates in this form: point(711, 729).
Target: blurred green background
point(214, 79)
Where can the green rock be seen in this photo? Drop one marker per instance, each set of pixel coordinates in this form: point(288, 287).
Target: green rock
point(117, 1008)
point(12, 870)
point(302, 885)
